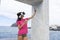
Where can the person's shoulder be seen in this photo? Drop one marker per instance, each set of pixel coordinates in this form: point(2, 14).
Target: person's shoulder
point(18, 22)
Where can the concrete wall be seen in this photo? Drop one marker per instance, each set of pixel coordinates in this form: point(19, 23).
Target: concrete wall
point(40, 23)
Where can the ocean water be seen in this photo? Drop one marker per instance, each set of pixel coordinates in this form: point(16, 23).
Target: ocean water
point(54, 35)
point(11, 32)
point(6, 33)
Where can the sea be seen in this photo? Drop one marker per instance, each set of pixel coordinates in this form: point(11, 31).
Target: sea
point(54, 35)
point(10, 33)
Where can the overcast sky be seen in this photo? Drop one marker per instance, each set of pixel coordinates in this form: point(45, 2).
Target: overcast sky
point(54, 12)
point(9, 9)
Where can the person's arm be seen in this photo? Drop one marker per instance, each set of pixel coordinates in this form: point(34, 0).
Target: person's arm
point(20, 26)
point(24, 22)
point(32, 15)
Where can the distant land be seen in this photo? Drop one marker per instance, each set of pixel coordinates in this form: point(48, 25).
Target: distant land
point(14, 25)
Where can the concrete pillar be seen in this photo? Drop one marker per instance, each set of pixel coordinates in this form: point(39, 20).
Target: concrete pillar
point(40, 29)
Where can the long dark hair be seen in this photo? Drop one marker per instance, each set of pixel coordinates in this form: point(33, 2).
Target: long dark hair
point(19, 14)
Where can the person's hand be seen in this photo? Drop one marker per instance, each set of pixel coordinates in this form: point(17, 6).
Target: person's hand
point(24, 22)
point(35, 11)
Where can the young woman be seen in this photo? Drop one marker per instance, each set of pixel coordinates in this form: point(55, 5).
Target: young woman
point(22, 25)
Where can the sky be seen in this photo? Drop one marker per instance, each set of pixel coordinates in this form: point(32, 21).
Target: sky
point(54, 12)
point(9, 9)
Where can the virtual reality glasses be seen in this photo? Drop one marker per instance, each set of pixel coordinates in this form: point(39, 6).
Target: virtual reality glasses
point(21, 13)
